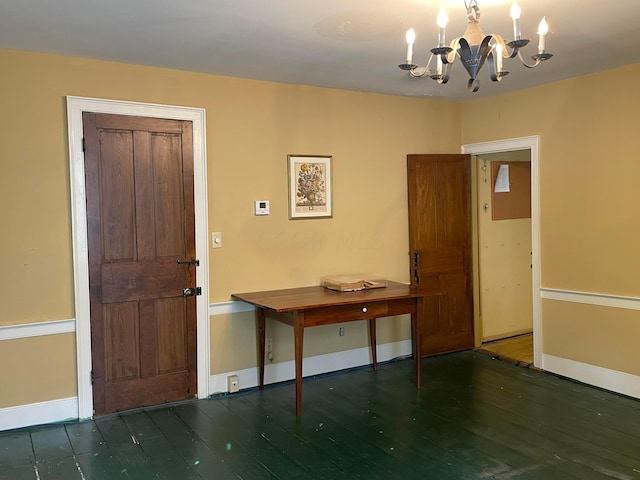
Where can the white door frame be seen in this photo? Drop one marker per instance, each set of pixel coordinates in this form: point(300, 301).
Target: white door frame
point(525, 143)
point(75, 107)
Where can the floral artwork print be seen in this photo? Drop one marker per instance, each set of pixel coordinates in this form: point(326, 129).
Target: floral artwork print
point(311, 185)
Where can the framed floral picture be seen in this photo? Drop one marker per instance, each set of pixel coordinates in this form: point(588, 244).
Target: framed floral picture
point(310, 186)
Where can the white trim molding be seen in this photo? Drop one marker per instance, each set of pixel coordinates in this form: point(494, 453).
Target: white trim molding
point(39, 413)
point(75, 107)
point(234, 306)
point(315, 365)
point(613, 380)
point(600, 299)
point(39, 329)
point(531, 143)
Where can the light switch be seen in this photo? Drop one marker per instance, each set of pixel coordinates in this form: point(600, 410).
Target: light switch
point(216, 239)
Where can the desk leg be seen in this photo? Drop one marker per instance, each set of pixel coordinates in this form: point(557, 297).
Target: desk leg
point(372, 342)
point(260, 324)
point(416, 329)
point(298, 334)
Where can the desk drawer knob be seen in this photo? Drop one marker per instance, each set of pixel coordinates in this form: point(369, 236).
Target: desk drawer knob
point(364, 309)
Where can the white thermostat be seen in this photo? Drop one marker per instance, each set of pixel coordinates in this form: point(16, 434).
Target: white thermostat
point(262, 207)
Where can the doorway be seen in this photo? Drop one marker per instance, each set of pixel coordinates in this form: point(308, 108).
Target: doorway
point(75, 108)
point(530, 144)
point(503, 188)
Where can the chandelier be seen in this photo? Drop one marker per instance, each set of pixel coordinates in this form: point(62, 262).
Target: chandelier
point(473, 48)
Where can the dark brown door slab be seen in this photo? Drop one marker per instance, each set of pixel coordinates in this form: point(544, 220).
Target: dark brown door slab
point(140, 223)
point(439, 189)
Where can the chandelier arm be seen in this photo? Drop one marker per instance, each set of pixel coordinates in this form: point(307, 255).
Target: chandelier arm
point(418, 72)
point(534, 65)
point(493, 74)
point(516, 45)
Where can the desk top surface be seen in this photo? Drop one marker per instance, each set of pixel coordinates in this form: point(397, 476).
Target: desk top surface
point(305, 298)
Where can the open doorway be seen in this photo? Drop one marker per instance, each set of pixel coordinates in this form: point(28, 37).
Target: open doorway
point(533, 328)
point(503, 239)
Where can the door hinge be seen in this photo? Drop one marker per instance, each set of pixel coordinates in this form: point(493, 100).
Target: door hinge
point(84, 144)
point(191, 291)
point(92, 377)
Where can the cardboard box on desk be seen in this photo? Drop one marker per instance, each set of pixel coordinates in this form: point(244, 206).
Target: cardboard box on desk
point(353, 283)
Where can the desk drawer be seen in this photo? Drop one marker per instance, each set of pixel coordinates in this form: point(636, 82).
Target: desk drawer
point(345, 313)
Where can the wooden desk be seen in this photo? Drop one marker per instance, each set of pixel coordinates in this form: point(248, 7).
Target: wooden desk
point(313, 306)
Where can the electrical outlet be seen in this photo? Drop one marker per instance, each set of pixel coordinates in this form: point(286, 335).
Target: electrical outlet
point(233, 383)
point(341, 331)
point(269, 348)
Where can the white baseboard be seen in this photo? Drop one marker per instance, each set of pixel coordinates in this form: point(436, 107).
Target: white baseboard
point(620, 382)
point(39, 413)
point(316, 365)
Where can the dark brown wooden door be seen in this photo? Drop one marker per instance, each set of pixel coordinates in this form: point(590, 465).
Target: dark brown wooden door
point(440, 248)
point(140, 223)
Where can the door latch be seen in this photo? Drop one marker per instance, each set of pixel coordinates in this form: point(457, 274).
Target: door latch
point(193, 261)
point(191, 291)
point(416, 266)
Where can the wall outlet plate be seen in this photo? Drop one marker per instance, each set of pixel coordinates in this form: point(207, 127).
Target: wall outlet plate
point(233, 383)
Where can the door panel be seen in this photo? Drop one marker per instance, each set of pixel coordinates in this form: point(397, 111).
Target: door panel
point(439, 189)
point(140, 214)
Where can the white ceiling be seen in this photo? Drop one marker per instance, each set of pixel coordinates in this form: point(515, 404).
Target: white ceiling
point(348, 44)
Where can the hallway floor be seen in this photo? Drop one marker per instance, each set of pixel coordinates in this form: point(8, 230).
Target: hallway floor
point(518, 349)
point(475, 418)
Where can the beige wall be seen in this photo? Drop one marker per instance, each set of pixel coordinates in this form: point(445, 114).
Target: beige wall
point(589, 228)
point(251, 127)
point(37, 369)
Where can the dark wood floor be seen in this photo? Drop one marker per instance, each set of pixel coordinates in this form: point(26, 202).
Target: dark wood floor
point(475, 418)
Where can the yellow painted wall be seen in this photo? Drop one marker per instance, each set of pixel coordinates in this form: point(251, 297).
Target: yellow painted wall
point(589, 208)
point(607, 337)
point(37, 369)
point(251, 127)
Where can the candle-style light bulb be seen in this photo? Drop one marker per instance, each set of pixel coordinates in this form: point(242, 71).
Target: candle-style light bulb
point(515, 15)
point(543, 29)
point(411, 38)
point(442, 20)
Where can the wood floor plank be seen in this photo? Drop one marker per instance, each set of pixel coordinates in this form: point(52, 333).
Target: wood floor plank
point(61, 468)
point(339, 444)
point(20, 472)
point(85, 437)
point(50, 443)
point(329, 439)
point(16, 448)
point(101, 466)
point(166, 462)
point(384, 415)
point(270, 427)
point(220, 437)
point(237, 443)
point(190, 446)
point(125, 447)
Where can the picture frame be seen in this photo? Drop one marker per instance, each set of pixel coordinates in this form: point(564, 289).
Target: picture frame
point(310, 186)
